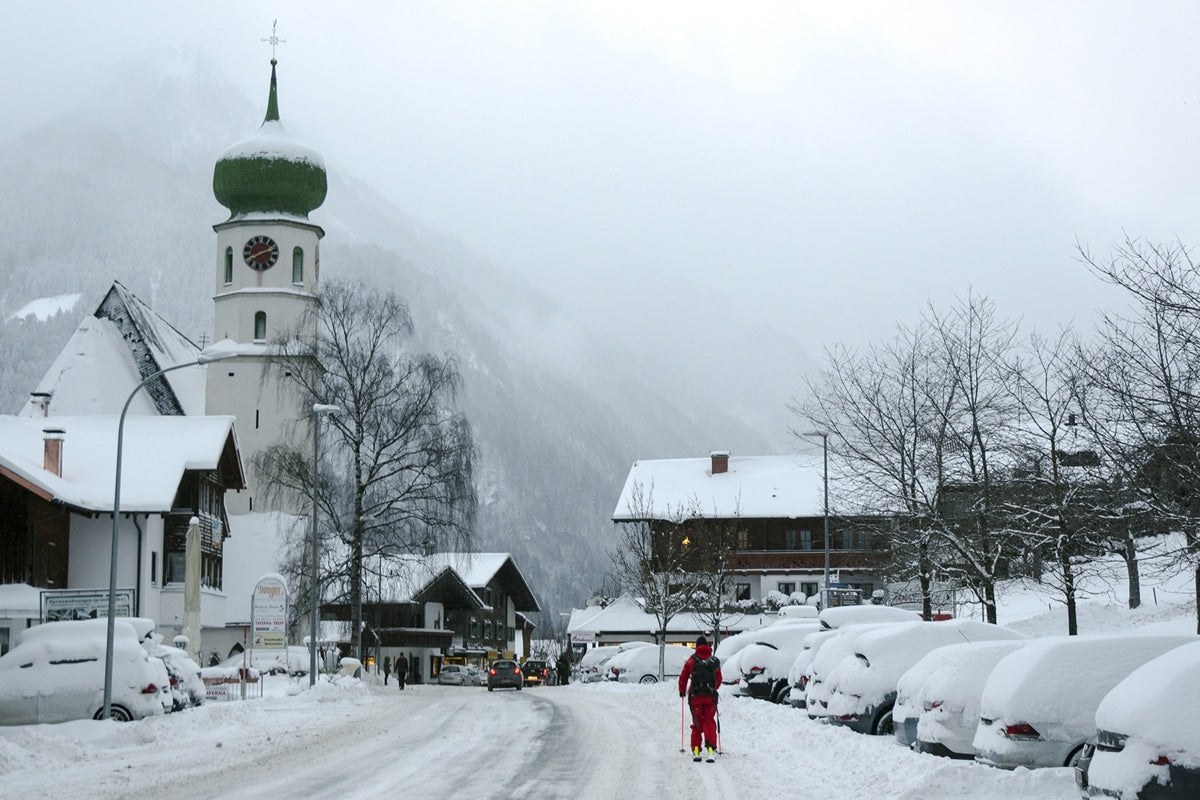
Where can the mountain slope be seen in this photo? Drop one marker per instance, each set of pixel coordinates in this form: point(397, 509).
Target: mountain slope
point(560, 406)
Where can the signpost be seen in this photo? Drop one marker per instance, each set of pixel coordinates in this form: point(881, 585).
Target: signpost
point(269, 616)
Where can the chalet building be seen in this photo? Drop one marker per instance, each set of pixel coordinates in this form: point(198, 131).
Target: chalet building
point(57, 477)
point(471, 607)
point(771, 506)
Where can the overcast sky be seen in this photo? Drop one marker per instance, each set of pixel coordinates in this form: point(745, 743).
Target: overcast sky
point(826, 167)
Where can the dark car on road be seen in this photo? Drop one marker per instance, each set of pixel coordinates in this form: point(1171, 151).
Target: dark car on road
point(536, 672)
point(505, 674)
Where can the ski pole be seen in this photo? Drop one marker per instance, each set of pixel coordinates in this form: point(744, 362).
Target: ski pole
point(717, 716)
point(682, 704)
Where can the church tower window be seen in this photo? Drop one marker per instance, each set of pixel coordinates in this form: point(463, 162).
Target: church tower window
point(297, 265)
point(260, 326)
point(228, 265)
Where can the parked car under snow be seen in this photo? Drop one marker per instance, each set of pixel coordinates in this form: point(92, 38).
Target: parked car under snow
point(1038, 707)
point(640, 665)
point(948, 699)
point(765, 663)
point(866, 687)
point(1147, 737)
point(55, 673)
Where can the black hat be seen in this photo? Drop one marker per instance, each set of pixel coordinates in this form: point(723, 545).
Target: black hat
point(701, 639)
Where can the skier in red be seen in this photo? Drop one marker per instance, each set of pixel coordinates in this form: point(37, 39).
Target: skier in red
point(699, 681)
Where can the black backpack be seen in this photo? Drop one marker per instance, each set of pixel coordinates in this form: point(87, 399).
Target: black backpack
point(704, 674)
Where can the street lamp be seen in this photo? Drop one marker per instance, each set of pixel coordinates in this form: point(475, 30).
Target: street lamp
point(205, 357)
point(825, 450)
point(318, 410)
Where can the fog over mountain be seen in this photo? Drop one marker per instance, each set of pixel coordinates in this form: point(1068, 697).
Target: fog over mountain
point(120, 188)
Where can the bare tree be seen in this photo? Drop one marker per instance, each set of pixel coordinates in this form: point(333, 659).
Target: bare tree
point(1144, 381)
point(399, 459)
point(711, 556)
point(652, 562)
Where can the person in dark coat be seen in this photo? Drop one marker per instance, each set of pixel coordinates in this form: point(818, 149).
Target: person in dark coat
point(401, 670)
point(698, 681)
point(387, 668)
point(564, 666)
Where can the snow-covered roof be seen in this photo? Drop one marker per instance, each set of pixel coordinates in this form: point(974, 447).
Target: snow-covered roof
point(754, 487)
point(99, 365)
point(156, 451)
point(20, 600)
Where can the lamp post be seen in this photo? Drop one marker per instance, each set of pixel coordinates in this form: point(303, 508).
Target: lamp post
point(205, 357)
point(314, 575)
point(825, 452)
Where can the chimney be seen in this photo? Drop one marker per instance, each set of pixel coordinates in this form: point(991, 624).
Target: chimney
point(428, 547)
point(720, 461)
point(41, 401)
point(52, 452)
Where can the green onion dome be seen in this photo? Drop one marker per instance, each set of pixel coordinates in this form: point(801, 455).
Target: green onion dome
point(269, 172)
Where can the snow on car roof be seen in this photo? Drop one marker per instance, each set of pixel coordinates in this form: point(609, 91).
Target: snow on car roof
point(851, 615)
point(1136, 706)
point(1064, 678)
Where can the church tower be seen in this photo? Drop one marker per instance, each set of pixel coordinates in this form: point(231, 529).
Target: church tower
point(266, 279)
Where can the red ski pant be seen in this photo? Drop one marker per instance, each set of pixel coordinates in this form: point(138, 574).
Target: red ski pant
point(704, 719)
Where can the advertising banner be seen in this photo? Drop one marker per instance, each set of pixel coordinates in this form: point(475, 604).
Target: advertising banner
point(269, 614)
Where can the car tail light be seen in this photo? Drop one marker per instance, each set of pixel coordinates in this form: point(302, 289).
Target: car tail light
point(1113, 742)
point(847, 717)
point(803, 681)
point(1161, 761)
point(492, 671)
point(755, 670)
point(149, 688)
point(516, 670)
point(1021, 730)
point(933, 705)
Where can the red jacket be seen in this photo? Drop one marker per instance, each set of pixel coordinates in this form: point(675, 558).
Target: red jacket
point(703, 651)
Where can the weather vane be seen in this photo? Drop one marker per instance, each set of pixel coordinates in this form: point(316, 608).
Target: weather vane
point(274, 40)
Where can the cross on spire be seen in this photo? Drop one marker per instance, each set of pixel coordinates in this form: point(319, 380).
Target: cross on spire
point(274, 39)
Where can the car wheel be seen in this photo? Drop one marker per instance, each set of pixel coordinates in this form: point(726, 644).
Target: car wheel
point(648, 679)
point(518, 688)
point(117, 713)
point(883, 724)
point(1073, 758)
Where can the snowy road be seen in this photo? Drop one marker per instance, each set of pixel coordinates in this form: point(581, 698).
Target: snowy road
point(585, 742)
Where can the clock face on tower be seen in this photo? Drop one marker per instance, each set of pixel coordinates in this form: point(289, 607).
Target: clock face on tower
point(260, 253)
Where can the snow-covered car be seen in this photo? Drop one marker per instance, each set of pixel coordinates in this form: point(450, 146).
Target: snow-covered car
point(946, 703)
point(1147, 736)
point(833, 651)
point(731, 675)
point(640, 665)
point(453, 675)
point(1038, 707)
point(55, 673)
point(187, 687)
point(592, 665)
point(798, 672)
point(866, 689)
point(841, 616)
point(765, 663)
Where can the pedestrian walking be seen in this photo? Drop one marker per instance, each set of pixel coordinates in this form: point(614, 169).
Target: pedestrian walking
point(401, 670)
point(698, 682)
point(564, 666)
point(387, 668)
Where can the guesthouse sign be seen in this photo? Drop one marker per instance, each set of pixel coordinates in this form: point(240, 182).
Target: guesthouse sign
point(269, 613)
